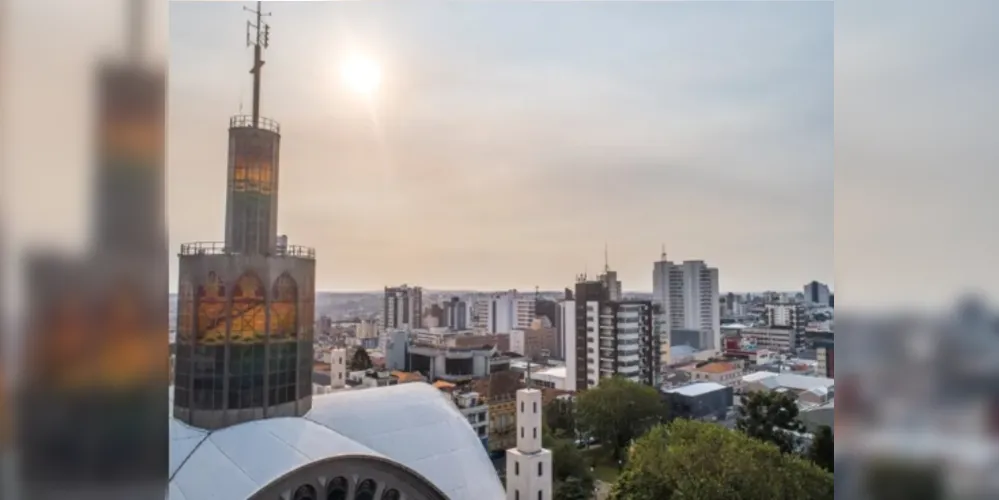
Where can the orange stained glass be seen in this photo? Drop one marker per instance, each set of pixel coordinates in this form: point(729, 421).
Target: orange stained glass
point(284, 308)
point(211, 302)
point(249, 316)
point(185, 309)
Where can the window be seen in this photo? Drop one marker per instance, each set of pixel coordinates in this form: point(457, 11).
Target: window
point(522, 407)
point(516, 494)
point(535, 433)
point(521, 432)
point(535, 407)
point(539, 471)
point(539, 495)
point(516, 468)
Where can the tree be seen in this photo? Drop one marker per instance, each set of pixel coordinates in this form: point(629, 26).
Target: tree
point(560, 416)
point(771, 417)
point(571, 489)
point(702, 461)
point(568, 463)
point(360, 360)
point(617, 411)
point(823, 448)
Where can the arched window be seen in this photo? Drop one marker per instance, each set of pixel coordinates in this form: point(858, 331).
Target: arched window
point(391, 494)
point(337, 489)
point(305, 492)
point(366, 490)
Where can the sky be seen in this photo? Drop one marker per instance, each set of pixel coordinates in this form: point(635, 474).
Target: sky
point(510, 141)
point(915, 152)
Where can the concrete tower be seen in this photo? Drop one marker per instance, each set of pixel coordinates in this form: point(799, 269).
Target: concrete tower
point(338, 368)
point(528, 466)
point(245, 314)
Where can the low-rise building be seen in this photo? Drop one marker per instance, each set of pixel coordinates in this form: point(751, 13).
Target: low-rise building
point(727, 373)
point(700, 400)
point(809, 390)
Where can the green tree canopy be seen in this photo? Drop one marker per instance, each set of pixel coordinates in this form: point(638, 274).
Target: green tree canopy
point(568, 463)
point(571, 489)
point(692, 460)
point(771, 417)
point(560, 416)
point(823, 448)
point(360, 360)
point(617, 411)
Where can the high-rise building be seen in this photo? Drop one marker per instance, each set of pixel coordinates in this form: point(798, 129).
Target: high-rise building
point(626, 344)
point(403, 307)
point(589, 296)
point(687, 294)
point(504, 312)
point(457, 314)
point(566, 329)
point(528, 465)
point(245, 319)
point(817, 293)
point(787, 316)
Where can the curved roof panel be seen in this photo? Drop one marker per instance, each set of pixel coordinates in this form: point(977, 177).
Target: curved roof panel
point(412, 424)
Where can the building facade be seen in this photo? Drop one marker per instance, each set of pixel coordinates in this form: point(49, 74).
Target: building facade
point(626, 346)
point(403, 307)
point(503, 312)
point(687, 294)
point(528, 465)
point(818, 294)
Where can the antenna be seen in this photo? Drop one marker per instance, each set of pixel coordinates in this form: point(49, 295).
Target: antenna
point(135, 28)
point(260, 42)
point(664, 252)
point(527, 382)
point(606, 260)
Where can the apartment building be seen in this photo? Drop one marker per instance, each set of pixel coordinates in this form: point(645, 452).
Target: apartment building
point(503, 312)
point(687, 295)
point(403, 308)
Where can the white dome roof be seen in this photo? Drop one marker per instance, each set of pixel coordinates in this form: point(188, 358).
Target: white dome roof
point(412, 424)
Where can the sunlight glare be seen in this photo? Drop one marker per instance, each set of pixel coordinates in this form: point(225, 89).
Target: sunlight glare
point(361, 75)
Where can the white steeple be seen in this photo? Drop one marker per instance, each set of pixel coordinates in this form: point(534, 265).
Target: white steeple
point(528, 466)
point(338, 368)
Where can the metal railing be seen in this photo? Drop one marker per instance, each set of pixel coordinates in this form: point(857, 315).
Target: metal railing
point(219, 248)
point(246, 121)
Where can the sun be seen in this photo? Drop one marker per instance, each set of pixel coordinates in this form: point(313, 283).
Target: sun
point(361, 75)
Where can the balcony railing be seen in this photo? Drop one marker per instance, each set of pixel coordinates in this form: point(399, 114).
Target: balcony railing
point(246, 121)
point(219, 248)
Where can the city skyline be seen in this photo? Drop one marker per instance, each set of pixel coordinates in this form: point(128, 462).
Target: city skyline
point(402, 188)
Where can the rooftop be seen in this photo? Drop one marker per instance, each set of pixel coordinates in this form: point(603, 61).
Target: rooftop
point(717, 367)
point(556, 371)
point(697, 389)
point(791, 381)
point(409, 424)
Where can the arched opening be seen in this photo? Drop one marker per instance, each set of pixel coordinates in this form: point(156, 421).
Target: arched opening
point(391, 494)
point(305, 492)
point(366, 490)
point(337, 489)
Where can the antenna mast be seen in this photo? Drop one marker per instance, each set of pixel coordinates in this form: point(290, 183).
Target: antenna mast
point(606, 260)
point(260, 42)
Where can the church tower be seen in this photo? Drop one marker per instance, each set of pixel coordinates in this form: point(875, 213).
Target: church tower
point(528, 465)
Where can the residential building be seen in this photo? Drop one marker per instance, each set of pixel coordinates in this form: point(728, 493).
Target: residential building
point(626, 345)
point(589, 296)
point(503, 312)
point(566, 312)
point(687, 293)
point(457, 314)
point(403, 307)
point(498, 391)
point(787, 316)
point(538, 341)
point(528, 465)
point(818, 294)
point(471, 405)
point(775, 339)
point(825, 355)
point(700, 400)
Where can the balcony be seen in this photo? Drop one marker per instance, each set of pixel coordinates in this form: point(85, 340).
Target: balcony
point(219, 248)
point(246, 121)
